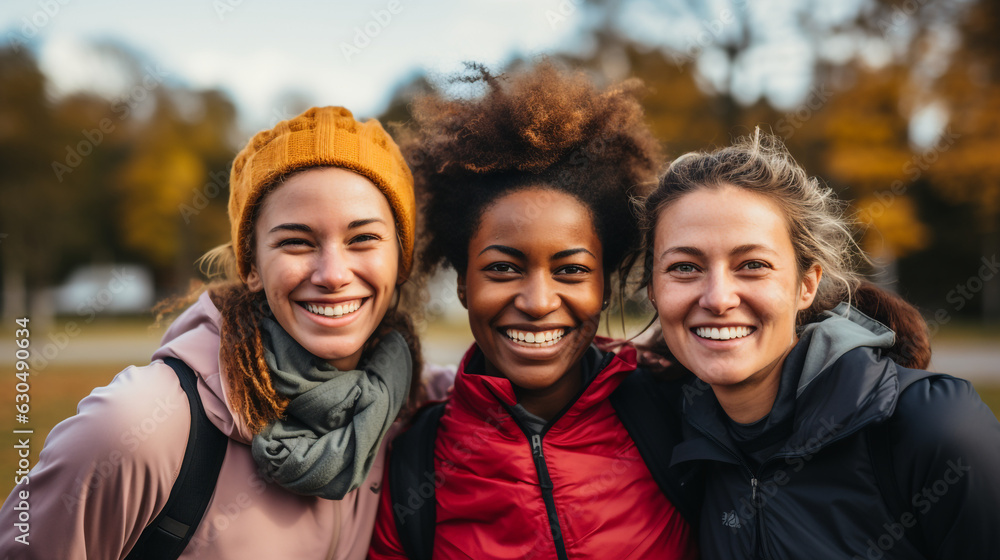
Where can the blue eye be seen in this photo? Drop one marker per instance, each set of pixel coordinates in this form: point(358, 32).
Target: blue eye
point(756, 265)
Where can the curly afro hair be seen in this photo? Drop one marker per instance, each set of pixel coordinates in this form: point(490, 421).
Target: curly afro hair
point(540, 127)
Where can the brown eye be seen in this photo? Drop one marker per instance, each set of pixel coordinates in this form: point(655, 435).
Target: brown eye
point(501, 267)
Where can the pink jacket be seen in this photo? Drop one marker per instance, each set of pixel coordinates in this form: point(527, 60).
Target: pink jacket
point(105, 473)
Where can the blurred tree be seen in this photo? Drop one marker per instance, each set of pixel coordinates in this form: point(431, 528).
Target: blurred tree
point(26, 148)
point(174, 186)
point(140, 178)
point(968, 170)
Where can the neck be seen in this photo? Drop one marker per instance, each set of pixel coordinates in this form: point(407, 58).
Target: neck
point(347, 363)
point(545, 403)
point(753, 398)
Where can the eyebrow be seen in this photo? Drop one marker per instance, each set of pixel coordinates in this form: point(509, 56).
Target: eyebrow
point(520, 254)
point(571, 252)
point(505, 250)
point(364, 222)
point(291, 227)
point(737, 251)
point(306, 229)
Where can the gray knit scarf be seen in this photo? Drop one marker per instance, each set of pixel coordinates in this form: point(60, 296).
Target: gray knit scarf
point(331, 432)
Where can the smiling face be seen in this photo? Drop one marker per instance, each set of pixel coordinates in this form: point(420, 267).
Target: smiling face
point(534, 288)
point(727, 289)
point(326, 256)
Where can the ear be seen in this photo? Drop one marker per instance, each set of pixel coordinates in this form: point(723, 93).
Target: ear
point(400, 276)
point(253, 279)
point(809, 286)
point(461, 291)
point(650, 295)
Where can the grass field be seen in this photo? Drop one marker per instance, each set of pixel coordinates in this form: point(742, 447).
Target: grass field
point(56, 392)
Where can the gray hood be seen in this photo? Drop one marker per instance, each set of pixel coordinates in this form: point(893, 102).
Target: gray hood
point(843, 329)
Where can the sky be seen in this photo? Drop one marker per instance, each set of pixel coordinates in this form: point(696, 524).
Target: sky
point(351, 53)
point(357, 53)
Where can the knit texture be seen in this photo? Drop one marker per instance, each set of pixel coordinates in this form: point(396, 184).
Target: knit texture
point(321, 136)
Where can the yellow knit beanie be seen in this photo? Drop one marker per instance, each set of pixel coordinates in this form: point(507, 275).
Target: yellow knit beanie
point(321, 136)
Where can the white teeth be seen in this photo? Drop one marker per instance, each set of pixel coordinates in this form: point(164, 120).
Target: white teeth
point(724, 333)
point(535, 339)
point(338, 310)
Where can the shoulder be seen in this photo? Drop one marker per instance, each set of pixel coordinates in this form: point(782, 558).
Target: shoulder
point(142, 414)
point(939, 416)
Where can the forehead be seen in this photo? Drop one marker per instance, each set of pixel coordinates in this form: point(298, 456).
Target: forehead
point(326, 194)
point(537, 214)
point(723, 215)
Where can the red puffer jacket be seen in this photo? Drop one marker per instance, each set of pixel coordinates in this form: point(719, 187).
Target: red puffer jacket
point(581, 490)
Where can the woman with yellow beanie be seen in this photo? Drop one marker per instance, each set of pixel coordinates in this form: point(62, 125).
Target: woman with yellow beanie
point(296, 356)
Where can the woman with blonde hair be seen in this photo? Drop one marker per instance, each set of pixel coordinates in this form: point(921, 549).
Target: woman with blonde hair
point(817, 438)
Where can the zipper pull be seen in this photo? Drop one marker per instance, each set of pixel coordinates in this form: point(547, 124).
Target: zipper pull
point(536, 445)
point(753, 488)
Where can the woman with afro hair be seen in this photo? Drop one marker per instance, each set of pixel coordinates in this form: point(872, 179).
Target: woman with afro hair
point(526, 193)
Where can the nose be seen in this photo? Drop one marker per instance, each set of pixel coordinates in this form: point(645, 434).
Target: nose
point(332, 270)
point(719, 294)
point(538, 297)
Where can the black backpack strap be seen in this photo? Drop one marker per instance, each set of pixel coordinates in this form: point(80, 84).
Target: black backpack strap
point(880, 449)
point(649, 408)
point(413, 484)
point(168, 534)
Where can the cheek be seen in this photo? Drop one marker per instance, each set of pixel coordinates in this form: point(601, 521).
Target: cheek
point(671, 299)
point(483, 305)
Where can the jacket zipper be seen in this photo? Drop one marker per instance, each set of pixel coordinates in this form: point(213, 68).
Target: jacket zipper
point(545, 482)
point(757, 549)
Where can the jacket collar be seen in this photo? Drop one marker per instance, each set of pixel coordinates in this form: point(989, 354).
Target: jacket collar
point(479, 394)
point(834, 382)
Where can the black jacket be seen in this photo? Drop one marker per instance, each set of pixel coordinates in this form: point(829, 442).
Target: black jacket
point(816, 494)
